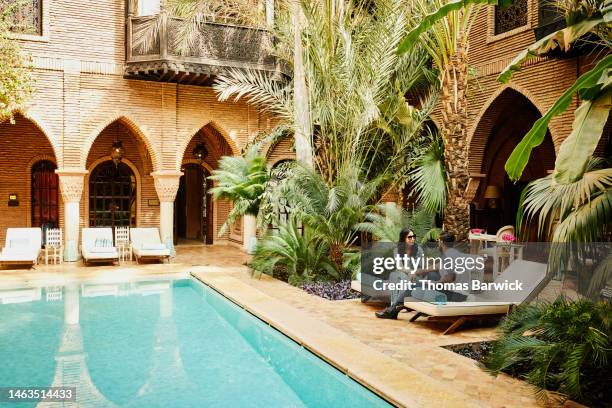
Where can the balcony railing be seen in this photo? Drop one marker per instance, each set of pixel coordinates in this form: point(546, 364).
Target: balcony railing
point(218, 47)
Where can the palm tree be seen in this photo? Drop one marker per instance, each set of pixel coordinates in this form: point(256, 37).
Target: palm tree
point(446, 40)
point(242, 180)
point(355, 87)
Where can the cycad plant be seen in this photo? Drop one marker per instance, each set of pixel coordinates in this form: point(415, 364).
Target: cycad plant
point(563, 346)
point(241, 180)
point(299, 254)
point(330, 211)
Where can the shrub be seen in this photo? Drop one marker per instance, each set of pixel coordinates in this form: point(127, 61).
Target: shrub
point(563, 346)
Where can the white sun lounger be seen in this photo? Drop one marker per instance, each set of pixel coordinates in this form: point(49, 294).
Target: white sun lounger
point(479, 306)
point(97, 245)
point(146, 244)
point(22, 246)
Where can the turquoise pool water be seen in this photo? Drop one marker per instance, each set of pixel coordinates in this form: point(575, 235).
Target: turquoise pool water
point(160, 344)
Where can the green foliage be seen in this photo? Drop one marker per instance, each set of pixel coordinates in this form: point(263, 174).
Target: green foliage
point(330, 211)
point(429, 178)
point(592, 85)
point(302, 257)
point(242, 180)
point(563, 346)
point(389, 219)
point(355, 86)
point(15, 74)
point(444, 11)
point(583, 208)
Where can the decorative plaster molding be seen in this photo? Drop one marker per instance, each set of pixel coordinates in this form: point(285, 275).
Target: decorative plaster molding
point(166, 184)
point(71, 183)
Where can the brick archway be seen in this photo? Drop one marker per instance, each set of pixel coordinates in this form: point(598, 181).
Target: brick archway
point(501, 127)
point(134, 129)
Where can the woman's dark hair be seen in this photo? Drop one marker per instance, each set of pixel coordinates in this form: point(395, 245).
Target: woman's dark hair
point(401, 243)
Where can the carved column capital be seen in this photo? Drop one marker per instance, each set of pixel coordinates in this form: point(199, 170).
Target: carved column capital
point(71, 183)
point(166, 184)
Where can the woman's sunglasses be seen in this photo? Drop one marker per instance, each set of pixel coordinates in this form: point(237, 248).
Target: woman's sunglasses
point(411, 236)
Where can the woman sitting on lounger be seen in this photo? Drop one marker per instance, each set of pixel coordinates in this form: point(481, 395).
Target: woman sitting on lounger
point(406, 245)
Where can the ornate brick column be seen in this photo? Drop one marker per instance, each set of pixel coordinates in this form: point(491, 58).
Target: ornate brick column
point(71, 185)
point(166, 185)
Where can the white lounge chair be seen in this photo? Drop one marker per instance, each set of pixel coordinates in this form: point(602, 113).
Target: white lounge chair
point(483, 305)
point(22, 246)
point(97, 245)
point(146, 244)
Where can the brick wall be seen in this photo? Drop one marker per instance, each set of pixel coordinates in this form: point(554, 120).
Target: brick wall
point(23, 144)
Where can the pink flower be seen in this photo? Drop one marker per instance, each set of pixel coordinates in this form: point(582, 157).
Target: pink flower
point(476, 230)
point(508, 237)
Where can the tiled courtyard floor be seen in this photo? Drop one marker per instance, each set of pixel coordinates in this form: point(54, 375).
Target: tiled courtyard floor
point(415, 345)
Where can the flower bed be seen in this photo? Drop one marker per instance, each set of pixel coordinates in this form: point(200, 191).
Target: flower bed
point(331, 290)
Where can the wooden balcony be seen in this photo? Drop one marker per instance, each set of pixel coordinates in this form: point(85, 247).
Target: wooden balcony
point(219, 47)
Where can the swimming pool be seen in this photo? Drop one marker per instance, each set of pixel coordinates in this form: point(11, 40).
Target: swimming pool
point(160, 343)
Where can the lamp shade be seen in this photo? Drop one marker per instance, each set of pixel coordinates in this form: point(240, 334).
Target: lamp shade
point(492, 191)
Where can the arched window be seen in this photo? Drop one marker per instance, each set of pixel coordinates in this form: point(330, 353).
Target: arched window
point(112, 196)
point(45, 196)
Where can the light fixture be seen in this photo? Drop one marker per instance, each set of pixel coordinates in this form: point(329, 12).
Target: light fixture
point(200, 152)
point(117, 152)
point(492, 193)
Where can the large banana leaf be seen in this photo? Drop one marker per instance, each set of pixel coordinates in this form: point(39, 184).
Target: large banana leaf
point(429, 20)
point(575, 152)
point(592, 81)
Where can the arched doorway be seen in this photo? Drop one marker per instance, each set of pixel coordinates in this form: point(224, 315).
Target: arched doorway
point(24, 145)
point(197, 217)
point(501, 128)
point(134, 201)
point(193, 215)
point(44, 195)
point(112, 195)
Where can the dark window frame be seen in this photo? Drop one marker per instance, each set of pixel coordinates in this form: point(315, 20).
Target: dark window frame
point(112, 196)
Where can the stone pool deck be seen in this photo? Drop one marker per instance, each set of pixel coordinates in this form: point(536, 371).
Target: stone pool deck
point(402, 361)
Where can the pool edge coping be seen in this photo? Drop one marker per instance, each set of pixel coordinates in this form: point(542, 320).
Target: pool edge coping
point(385, 385)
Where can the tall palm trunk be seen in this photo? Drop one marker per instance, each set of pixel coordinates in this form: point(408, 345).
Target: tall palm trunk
point(303, 149)
point(454, 132)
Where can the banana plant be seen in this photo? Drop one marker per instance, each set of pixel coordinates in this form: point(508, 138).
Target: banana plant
point(593, 87)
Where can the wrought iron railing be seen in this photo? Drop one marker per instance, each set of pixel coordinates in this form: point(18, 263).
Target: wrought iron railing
point(23, 17)
point(157, 38)
point(511, 17)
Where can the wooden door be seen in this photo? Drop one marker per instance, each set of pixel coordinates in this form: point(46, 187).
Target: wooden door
point(193, 202)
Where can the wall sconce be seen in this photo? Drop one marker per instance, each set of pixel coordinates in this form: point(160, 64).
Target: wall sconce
point(200, 152)
point(492, 194)
point(13, 200)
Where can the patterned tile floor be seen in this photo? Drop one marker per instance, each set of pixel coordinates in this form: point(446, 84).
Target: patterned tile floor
point(418, 344)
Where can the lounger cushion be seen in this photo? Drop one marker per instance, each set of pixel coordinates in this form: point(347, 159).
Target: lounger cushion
point(153, 247)
point(19, 243)
point(456, 308)
point(102, 250)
